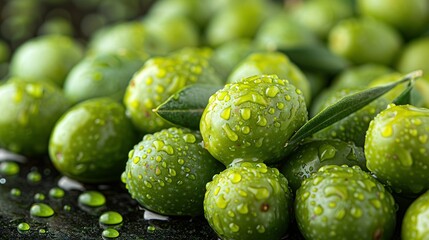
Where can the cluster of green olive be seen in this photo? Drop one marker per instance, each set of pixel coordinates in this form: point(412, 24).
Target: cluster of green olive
point(90, 107)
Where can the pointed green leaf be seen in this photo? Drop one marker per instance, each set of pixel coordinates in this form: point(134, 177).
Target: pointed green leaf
point(343, 108)
point(315, 58)
point(406, 96)
point(186, 107)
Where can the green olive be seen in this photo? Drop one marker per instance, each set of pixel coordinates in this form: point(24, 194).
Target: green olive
point(410, 17)
point(363, 40)
point(91, 140)
point(252, 119)
point(48, 57)
point(29, 113)
point(102, 75)
point(397, 148)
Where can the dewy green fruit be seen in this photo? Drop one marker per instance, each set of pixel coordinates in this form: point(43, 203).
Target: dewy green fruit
point(102, 75)
point(248, 201)
point(49, 57)
point(359, 41)
point(252, 120)
point(90, 140)
point(126, 36)
point(415, 224)
point(167, 172)
point(397, 148)
point(341, 202)
point(29, 113)
point(272, 63)
point(312, 155)
point(161, 77)
point(410, 17)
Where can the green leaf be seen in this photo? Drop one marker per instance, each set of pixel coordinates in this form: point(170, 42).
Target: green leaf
point(343, 108)
point(315, 58)
point(406, 96)
point(186, 106)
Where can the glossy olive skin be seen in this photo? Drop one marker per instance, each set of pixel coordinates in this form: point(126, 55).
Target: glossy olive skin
point(91, 141)
point(320, 16)
point(29, 113)
point(272, 63)
point(248, 201)
point(46, 58)
point(102, 75)
point(128, 36)
point(167, 172)
point(236, 20)
point(281, 31)
point(415, 221)
point(397, 148)
point(314, 154)
point(414, 56)
point(410, 17)
point(172, 33)
point(342, 202)
point(358, 40)
point(229, 54)
point(252, 119)
point(161, 77)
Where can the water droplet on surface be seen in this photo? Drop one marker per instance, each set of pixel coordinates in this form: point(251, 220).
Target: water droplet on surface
point(245, 113)
point(92, 199)
point(56, 192)
point(41, 210)
point(262, 121)
point(340, 191)
point(189, 138)
point(376, 203)
point(242, 208)
point(260, 228)
point(110, 218)
point(136, 159)
point(38, 197)
point(221, 202)
point(151, 228)
point(253, 98)
point(235, 177)
point(318, 210)
point(326, 151)
point(229, 132)
point(15, 192)
point(110, 233)
point(272, 91)
point(67, 208)
point(226, 113)
point(234, 227)
point(34, 177)
point(23, 227)
point(9, 168)
point(260, 193)
point(387, 131)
